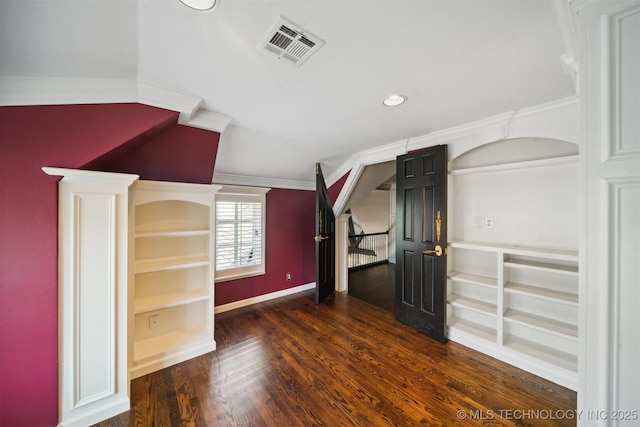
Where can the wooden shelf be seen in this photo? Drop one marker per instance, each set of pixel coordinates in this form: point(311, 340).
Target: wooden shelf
point(161, 344)
point(542, 266)
point(170, 299)
point(551, 254)
point(473, 279)
point(172, 263)
point(176, 233)
point(541, 352)
point(555, 161)
point(542, 293)
point(544, 324)
point(480, 331)
point(472, 304)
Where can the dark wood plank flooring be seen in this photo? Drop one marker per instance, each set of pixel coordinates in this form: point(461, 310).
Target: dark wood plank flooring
point(375, 285)
point(290, 362)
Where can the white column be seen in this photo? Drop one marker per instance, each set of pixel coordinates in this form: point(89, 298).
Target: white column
point(92, 295)
point(609, 362)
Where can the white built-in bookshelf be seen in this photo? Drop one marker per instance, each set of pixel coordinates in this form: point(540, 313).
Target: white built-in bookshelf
point(171, 274)
point(513, 286)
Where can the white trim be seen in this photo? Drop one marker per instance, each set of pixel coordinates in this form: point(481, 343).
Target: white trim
point(255, 181)
point(262, 298)
point(56, 91)
point(555, 120)
point(239, 194)
point(93, 257)
point(540, 163)
point(208, 120)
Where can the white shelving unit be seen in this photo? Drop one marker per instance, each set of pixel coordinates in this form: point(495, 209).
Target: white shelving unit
point(512, 292)
point(171, 279)
point(524, 310)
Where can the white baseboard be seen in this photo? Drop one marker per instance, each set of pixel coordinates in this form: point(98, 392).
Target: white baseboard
point(261, 298)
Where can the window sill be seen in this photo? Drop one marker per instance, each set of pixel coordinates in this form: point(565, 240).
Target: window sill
point(236, 276)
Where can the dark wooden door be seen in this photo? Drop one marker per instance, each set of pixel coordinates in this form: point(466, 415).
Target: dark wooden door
point(325, 240)
point(421, 240)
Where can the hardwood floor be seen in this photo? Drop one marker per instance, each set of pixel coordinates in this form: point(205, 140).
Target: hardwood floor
point(375, 285)
point(290, 362)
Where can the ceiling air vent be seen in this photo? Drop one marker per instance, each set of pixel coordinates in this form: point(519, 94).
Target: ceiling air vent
point(287, 41)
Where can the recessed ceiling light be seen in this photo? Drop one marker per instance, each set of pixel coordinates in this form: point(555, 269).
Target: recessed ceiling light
point(200, 4)
point(394, 100)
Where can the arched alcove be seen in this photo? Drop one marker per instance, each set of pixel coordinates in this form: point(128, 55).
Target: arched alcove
point(513, 151)
point(526, 188)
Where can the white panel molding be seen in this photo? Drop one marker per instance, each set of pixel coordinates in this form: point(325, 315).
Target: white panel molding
point(255, 181)
point(92, 295)
point(63, 91)
point(610, 176)
point(614, 99)
point(262, 298)
point(619, 337)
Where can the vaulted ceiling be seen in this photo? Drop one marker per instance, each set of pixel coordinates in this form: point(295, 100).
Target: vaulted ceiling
point(457, 61)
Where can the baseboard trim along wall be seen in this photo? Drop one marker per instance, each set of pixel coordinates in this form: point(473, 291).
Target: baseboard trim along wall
point(263, 298)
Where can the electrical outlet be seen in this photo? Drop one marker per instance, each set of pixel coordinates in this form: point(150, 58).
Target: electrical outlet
point(288, 276)
point(154, 321)
point(488, 222)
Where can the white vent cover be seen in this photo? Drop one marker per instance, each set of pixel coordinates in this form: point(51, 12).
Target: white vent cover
point(287, 41)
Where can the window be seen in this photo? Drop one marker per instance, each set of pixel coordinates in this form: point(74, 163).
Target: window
point(240, 232)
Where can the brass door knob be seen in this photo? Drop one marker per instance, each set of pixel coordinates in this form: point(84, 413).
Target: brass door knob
point(438, 251)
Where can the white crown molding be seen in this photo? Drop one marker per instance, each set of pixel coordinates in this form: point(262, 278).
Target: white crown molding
point(159, 97)
point(555, 120)
point(356, 165)
point(578, 5)
point(255, 181)
point(63, 91)
point(568, 19)
point(208, 120)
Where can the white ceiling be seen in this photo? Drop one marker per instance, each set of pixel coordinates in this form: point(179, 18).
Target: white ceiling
point(456, 61)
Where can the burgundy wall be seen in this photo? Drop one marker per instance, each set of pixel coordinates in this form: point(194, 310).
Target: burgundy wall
point(289, 244)
point(176, 153)
point(30, 138)
point(117, 137)
point(336, 188)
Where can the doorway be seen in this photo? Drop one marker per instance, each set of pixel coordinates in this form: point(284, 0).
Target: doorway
point(370, 238)
point(374, 285)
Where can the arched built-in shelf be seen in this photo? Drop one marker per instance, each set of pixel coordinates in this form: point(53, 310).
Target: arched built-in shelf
point(513, 258)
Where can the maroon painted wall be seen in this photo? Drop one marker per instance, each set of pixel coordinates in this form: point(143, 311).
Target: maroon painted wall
point(176, 153)
point(32, 137)
point(117, 137)
point(289, 248)
point(336, 188)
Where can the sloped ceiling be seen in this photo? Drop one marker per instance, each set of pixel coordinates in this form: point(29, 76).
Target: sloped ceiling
point(457, 62)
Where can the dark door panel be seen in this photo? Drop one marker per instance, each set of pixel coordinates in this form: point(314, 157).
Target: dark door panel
point(325, 240)
point(421, 240)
